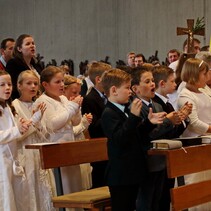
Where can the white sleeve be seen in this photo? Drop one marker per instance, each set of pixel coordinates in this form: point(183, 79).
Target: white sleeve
point(9, 135)
point(76, 119)
point(195, 125)
point(84, 124)
point(55, 118)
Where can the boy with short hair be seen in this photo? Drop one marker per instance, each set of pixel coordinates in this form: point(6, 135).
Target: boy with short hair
point(126, 170)
point(143, 86)
point(94, 103)
point(165, 84)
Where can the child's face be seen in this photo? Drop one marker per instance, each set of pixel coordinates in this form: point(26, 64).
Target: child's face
point(146, 87)
point(170, 84)
point(203, 78)
point(209, 78)
point(29, 87)
point(5, 87)
point(55, 87)
point(73, 90)
point(123, 93)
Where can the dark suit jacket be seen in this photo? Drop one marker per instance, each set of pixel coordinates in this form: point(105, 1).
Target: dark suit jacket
point(178, 129)
point(14, 67)
point(161, 131)
point(93, 103)
point(127, 160)
point(161, 102)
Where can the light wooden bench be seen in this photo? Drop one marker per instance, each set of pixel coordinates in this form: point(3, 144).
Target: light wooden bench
point(179, 163)
point(72, 153)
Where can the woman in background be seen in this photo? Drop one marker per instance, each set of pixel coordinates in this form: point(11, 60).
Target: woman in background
point(23, 59)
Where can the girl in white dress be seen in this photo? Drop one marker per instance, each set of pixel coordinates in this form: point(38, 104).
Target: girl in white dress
point(195, 73)
point(72, 88)
point(59, 118)
point(36, 190)
point(9, 132)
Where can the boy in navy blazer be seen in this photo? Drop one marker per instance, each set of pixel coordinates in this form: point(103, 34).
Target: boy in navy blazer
point(94, 103)
point(165, 84)
point(126, 170)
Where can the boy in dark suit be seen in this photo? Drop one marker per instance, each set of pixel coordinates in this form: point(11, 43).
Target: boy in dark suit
point(143, 87)
point(126, 170)
point(94, 103)
point(165, 84)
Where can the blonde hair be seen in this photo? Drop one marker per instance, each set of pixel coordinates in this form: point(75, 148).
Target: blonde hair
point(114, 77)
point(191, 70)
point(22, 76)
point(69, 79)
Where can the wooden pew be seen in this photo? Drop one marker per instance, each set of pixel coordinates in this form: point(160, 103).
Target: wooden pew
point(186, 161)
point(54, 155)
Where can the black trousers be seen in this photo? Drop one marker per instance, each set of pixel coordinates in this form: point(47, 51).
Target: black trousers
point(165, 200)
point(151, 191)
point(98, 174)
point(123, 198)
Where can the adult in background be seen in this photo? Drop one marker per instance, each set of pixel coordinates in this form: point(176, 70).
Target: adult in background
point(197, 46)
point(131, 59)
point(173, 55)
point(7, 46)
point(23, 59)
point(139, 60)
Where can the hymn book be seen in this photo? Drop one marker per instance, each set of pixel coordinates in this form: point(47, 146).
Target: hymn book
point(166, 144)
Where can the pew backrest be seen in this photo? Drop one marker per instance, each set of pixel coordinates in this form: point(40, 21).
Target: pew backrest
point(185, 161)
point(54, 155)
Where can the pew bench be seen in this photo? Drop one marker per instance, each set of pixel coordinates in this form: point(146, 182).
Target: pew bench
point(55, 155)
point(185, 161)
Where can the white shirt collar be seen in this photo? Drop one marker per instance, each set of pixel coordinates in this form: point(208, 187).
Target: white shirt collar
point(146, 102)
point(3, 61)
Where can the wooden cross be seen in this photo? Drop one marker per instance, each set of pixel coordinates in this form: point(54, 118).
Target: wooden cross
point(190, 32)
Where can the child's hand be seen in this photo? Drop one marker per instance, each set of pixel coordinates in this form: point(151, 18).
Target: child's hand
point(41, 107)
point(77, 99)
point(38, 113)
point(186, 109)
point(175, 117)
point(89, 117)
point(136, 106)
point(24, 125)
point(156, 118)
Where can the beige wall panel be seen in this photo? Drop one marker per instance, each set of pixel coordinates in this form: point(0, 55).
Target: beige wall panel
point(93, 29)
